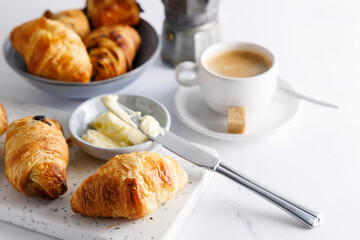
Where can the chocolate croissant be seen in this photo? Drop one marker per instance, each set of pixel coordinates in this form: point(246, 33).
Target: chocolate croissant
point(3, 120)
point(109, 12)
point(130, 186)
point(112, 50)
point(74, 19)
point(36, 157)
point(51, 50)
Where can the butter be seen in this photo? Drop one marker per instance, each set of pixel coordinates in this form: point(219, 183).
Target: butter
point(110, 102)
point(150, 126)
point(98, 139)
point(117, 130)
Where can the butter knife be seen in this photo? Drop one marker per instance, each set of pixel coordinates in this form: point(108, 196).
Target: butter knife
point(204, 159)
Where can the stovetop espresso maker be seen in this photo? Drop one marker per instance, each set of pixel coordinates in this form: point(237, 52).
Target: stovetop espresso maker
point(190, 26)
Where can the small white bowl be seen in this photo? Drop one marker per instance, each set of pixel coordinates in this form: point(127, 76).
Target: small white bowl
point(86, 112)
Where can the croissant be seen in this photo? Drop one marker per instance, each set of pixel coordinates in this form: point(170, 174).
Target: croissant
point(3, 120)
point(36, 156)
point(130, 186)
point(74, 19)
point(108, 12)
point(112, 50)
point(52, 50)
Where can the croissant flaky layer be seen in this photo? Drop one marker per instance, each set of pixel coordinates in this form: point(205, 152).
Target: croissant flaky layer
point(74, 19)
point(36, 157)
point(130, 186)
point(112, 50)
point(108, 12)
point(52, 50)
point(3, 120)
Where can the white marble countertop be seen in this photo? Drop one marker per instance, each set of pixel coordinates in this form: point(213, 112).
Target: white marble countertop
point(314, 160)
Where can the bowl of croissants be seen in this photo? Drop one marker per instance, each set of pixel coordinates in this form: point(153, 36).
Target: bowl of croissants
point(82, 53)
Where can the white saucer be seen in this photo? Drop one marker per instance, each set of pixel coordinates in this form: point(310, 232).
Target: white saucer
point(193, 112)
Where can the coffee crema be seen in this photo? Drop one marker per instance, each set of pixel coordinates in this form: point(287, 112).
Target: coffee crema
point(239, 63)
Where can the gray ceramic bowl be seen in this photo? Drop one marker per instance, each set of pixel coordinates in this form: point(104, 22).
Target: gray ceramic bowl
point(90, 109)
point(149, 50)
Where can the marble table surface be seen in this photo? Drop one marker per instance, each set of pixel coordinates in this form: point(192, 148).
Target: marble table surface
point(315, 159)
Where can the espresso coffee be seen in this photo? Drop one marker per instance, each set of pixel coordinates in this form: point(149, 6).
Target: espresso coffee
point(239, 63)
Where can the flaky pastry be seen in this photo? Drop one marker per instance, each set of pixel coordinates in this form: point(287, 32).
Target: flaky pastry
point(74, 19)
point(130, 186)
point(36, 157)
point(3, 120)
point(112, 50)
point(109, 12)
point(52, 50)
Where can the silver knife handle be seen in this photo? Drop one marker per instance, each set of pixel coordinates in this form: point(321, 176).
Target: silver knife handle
point(310, 218)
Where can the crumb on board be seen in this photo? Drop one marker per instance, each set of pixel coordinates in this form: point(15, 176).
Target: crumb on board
point(69, 141)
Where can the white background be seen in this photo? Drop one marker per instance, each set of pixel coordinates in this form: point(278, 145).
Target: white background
point(314, 160)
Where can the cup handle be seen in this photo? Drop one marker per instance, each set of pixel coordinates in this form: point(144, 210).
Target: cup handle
point(187, 66)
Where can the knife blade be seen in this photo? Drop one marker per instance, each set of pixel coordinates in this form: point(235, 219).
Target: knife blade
point(187, 150)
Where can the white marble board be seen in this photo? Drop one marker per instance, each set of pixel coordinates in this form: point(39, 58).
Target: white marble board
point(56, 218)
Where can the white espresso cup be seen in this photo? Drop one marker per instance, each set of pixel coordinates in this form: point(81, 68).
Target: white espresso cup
point(219, 92)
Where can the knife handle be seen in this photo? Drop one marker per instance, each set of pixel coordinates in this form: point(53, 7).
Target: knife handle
point(308, 217)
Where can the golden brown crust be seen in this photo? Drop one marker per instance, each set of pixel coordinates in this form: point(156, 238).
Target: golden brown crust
point(109, 12)
point(112, 50)
point(74, 19)
point(130, 186)
point(52, 50)
point(3, 120)
point(36, 157)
